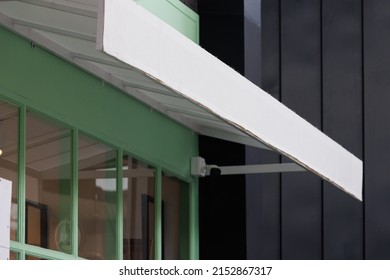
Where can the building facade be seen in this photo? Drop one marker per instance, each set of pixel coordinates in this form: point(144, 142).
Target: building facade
point(328, 61)
point(95, 174)
point(98, 174)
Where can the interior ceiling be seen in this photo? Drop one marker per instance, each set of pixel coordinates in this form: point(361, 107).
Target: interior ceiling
point(68, 28)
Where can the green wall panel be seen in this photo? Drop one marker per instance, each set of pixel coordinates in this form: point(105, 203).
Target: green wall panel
point(45, 82)
point(176, 14)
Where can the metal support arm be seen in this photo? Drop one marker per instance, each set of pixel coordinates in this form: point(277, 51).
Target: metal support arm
point(199, 168)
point(261, 168)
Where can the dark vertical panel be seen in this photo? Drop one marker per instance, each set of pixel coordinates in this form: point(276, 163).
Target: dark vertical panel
point(222, 203)
point(377, 127)
point(252, 40)
point(222, 30)
point(262, 209)
point(270, 57)
point(262, 191)
point(301, 91)
point(222, 199)
point(342, 121)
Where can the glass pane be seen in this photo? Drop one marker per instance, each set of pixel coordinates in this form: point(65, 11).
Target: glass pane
point(48, 183)
point(138, 210)
point(9, 122)
point(13, 256)
point(32, 258)
point(175, 199)
point(97, 199)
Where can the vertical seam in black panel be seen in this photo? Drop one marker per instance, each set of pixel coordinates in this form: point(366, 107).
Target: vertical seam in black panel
point(322, 120)
point(363, 130)
point(280, 157)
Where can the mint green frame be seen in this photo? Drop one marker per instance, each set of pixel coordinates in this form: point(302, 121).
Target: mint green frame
point(74, 214)
point(50, 92)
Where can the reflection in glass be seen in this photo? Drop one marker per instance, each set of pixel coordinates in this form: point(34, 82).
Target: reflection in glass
point(175, 196)
point(48, 173)
point(32, 258)
point(13, 256)
point(138, 210)
point(9, 155)
point(97, 199)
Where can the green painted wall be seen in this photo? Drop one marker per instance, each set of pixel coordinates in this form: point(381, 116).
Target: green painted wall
point(45, 82)
point(176, 14)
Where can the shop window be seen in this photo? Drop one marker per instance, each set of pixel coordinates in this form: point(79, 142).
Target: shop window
point(138, 210)
point(48, 183)
point(175, 197)
point(9, 155)
point(50, 195)
point(97, 199)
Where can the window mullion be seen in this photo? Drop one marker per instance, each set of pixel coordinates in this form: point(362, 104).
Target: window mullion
point(194, 228)
point(74, 195)
point(119, 206)
point(158, 214)
point(21, 236)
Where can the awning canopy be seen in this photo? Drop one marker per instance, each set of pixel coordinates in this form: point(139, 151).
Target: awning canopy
point(152, 62)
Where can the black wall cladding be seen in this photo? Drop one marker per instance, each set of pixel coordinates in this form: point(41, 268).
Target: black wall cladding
point(327, 60)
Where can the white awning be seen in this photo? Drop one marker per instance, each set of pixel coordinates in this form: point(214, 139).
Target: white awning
point(152, 62)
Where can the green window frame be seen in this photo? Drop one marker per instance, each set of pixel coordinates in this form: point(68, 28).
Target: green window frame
point(21, 250)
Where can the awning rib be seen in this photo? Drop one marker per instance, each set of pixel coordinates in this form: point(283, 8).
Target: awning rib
point(133, 35)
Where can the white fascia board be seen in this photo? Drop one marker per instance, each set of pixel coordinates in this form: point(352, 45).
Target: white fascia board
point(131, 34)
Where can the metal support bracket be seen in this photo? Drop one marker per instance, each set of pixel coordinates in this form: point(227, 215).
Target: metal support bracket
point(199, 168)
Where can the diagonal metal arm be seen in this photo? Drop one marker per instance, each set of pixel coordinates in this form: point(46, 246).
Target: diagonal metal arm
point(261, 168)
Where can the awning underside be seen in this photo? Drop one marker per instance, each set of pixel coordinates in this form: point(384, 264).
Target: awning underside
point(168, 72)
